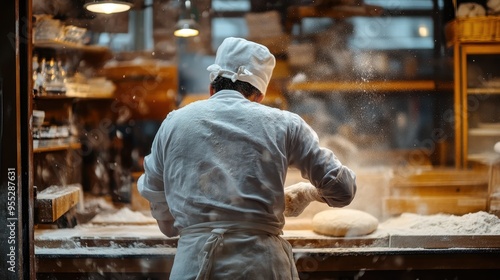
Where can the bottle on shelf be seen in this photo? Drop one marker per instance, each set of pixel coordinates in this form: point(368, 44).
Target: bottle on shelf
point(34, 69)
point(38, 76)
point(49, 77)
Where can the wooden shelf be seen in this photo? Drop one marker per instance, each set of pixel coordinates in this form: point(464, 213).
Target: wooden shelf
point(483, 90)
point(63, 97)
point(91, 53)
point(368, 87)
point(338, 11)
point(60, 45)
point(485, 54)
point(52, 97)
point(296, 13)
point(54, 145)
point(487, 132)
point(484, 158)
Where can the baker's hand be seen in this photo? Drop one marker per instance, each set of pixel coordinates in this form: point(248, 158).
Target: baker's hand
point(161, 212)
point(167, 228)
point(298, 196)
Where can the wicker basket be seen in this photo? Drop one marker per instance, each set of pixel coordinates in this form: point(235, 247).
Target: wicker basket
point(474, 29)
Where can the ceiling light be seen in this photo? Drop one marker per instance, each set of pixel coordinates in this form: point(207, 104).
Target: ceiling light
point(186, 28)
point(187, 25)
point(107, 6)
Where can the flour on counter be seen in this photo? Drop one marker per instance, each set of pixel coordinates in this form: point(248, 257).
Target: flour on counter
point(122, 216)
point(479, 223)
point(97, 231)
point(109, 251)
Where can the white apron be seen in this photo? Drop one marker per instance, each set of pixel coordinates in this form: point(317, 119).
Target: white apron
point(233, 250)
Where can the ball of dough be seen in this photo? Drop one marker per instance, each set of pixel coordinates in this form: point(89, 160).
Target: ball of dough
point(344, 222)
point(497, 147)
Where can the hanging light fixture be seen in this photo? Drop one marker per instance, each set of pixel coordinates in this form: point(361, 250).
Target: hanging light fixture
point(186, 26)
point(107, 6)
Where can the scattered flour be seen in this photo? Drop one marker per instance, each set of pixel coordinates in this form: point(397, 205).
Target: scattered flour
point(122, 216)
point(479, 223)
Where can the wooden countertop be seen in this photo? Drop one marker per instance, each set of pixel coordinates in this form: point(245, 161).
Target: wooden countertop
point(140, 236)
point(136, 251)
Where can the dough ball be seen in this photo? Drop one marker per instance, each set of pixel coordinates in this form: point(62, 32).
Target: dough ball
point(497, 147)
point(344, 222)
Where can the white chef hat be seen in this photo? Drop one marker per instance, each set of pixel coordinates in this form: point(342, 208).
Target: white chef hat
point(239, 59)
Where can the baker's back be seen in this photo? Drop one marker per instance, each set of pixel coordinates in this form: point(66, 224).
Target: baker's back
point(225, 160)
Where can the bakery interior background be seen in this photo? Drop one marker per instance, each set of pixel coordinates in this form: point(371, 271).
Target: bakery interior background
point(360, 77)
point(400, 45)
point(374, 78)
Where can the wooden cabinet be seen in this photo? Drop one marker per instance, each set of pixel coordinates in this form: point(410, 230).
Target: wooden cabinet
point(477, 101)
point(57, 152)
point(103, 135)
point(58, 145)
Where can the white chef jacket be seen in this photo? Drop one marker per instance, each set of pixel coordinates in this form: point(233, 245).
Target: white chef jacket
point(221, 162)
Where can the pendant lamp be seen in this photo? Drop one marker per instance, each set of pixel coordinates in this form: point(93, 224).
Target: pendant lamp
point(107, 6)
point(186, 26)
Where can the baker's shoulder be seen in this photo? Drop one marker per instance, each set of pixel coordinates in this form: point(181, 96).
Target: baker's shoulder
point(269, 109)
point(289, 115)
point(284, 117)
point(176, 115)
point(192, 104)
point(277, 111)
point(190, 108)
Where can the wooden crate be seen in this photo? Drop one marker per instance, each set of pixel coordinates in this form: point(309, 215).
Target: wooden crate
point(428, 205)
point(433, 191)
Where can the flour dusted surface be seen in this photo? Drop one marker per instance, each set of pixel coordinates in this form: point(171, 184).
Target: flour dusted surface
point(122, 216)
point(479, 223)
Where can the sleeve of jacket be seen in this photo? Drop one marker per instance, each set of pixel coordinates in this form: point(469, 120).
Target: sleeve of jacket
point(151, 186)
point(336, 183)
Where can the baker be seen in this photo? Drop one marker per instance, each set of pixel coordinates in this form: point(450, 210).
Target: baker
point(216, 173)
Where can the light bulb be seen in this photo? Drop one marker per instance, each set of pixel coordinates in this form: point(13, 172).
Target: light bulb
point(108, 7)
